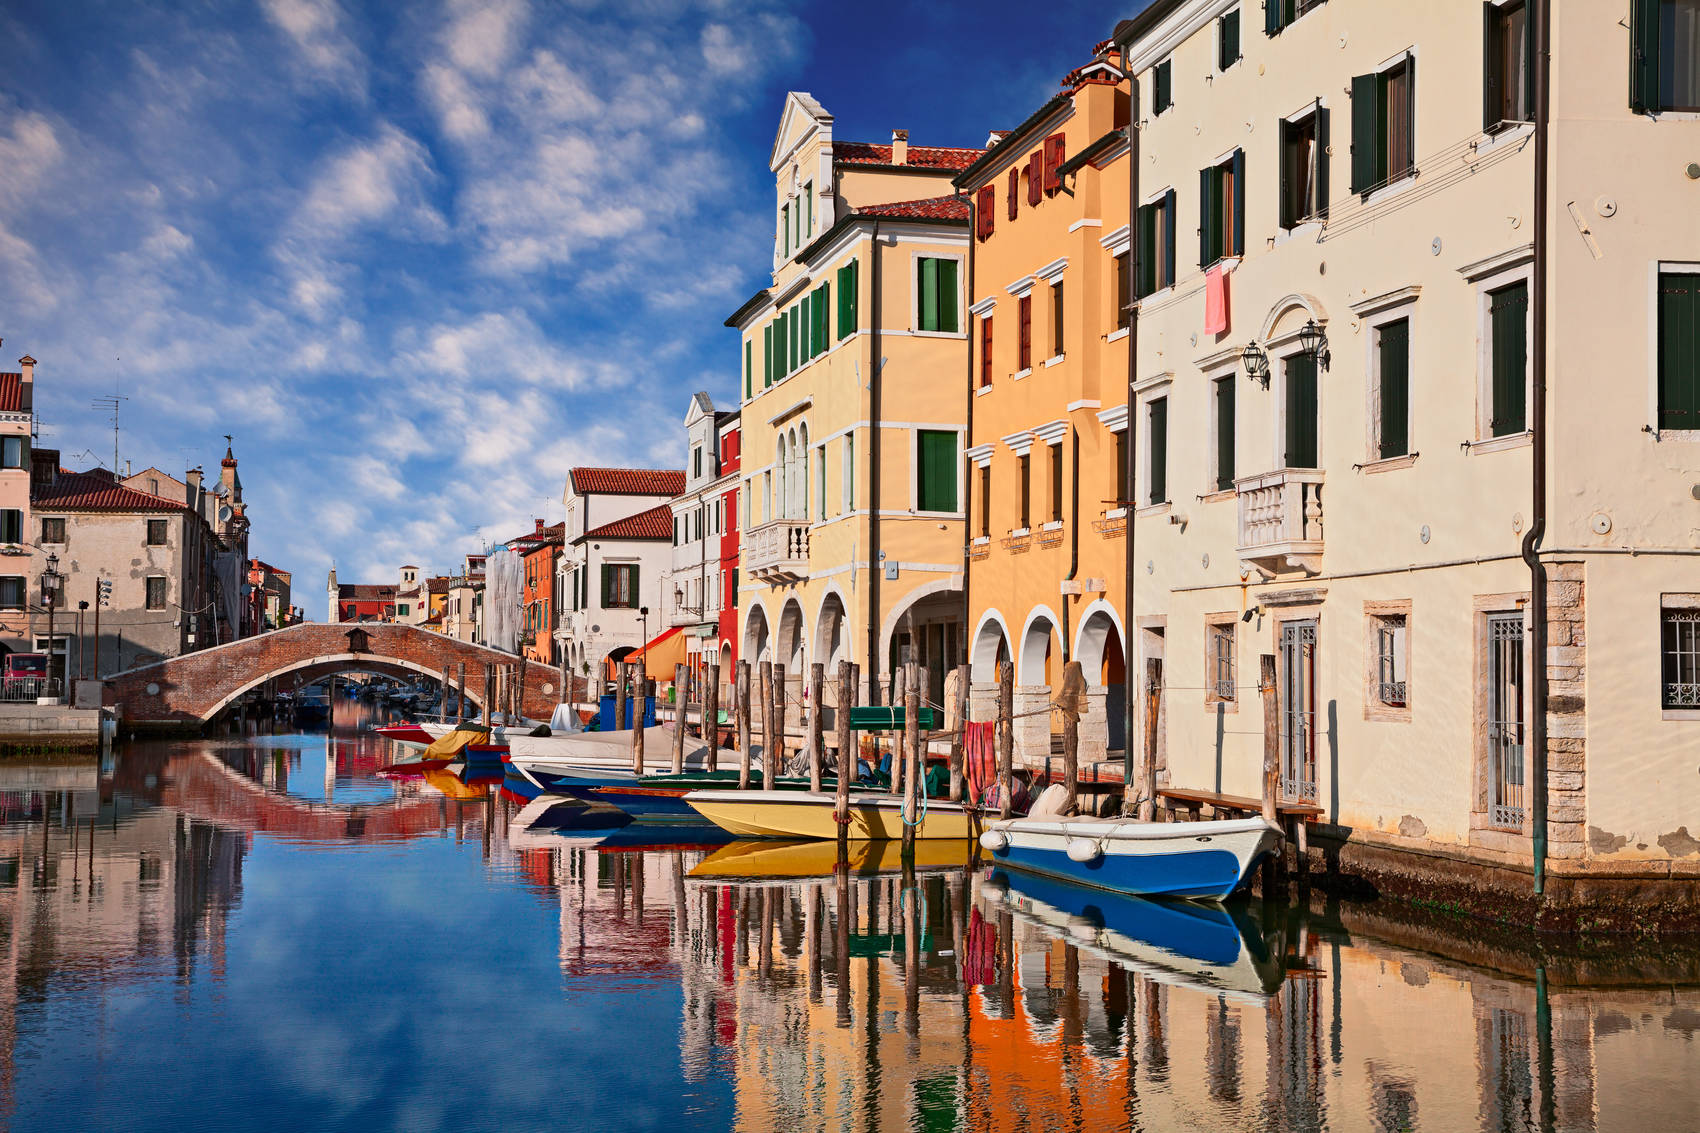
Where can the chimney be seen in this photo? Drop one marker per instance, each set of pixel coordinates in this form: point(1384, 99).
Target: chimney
point(900, 147)
point(26, 395)
point(193, 479)
point(539, 527)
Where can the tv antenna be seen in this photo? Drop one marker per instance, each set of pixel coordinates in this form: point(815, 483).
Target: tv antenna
point(110, 403)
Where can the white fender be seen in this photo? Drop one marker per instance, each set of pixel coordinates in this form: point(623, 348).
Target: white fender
point(1083, 850)
point(994, 840)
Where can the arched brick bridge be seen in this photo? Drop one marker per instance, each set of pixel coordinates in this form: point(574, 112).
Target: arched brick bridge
point(187, 691)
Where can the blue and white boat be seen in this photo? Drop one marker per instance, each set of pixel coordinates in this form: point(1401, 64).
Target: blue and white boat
point(1199, 860)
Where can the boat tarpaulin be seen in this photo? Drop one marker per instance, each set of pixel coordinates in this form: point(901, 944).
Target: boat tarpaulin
point(451, 744)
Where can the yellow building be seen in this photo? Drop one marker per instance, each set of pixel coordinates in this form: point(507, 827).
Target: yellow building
point(1351, 295)
point(1048, 532)
point(852, 478)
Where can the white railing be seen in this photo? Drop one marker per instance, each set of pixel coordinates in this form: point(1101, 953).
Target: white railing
point(777, 550)
point(27, 690)
point(1281, 514)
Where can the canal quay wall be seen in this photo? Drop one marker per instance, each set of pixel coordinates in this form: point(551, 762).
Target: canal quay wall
point(50, 727)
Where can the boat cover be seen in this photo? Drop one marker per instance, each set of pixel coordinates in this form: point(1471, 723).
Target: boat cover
point(451, 744)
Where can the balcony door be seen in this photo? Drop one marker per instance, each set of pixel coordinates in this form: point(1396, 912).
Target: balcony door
point(1300, 449)
point(1298, 710)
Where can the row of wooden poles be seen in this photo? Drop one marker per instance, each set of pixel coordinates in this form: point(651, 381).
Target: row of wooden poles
point(504, 686)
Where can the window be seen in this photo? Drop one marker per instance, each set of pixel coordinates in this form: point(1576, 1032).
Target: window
point(847, 300)
point(1024, 345)
point(749, 368)
point(1390, 660)
point(1122, 317)
point(1056, 483)
point(678, 531)
point(1219, 661)
point(820, 483)
point(1121, 469)
point(767, 355)
point(53, 531)
point(1504, 739)
point(1383, 126)
point(156, 532)
point(935, 483)
point(1664, 60)
point(11, 525)
point(935, 281)
point(1221, 194)
point(12, 592)
point(985, 350)
point(1393, 389)
point(1026, 491)
point(785, 229)
point(696, 460)
point(1681, 652)
point(1157, 451)
point(1508, 315)
point(809, 208)
point(1162, 86)
point(619, 586)
point(1281, 14)
point(153, 487)
point(1304, 168)
point(401, 609)
point(985, 501)
point(985, 212)
point(11, 452)
point(1228, 40)
point(1388, 651)
point(849, 473)
point(1679, 350)
point(1157, 244)
point(1057, 319)
point(156, 593)
point(1301, 412)
point(1508, 79)
point(1224, 423)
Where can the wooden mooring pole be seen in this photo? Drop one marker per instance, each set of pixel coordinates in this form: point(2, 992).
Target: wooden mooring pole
point(460, 695)
point(620, 671)
point(846, 753)
point(1148, 750)
point(817, 738)
point(741, 709)
point(639, 682)
point(1271, 696)
point(679, 718)
point(519, 689)
point(1072, 679)
point(1006, 737)
point(711, 717)
point(768, 772)
point(913, 787)
point(489, 692)
point(778, 694)
point(959, 728)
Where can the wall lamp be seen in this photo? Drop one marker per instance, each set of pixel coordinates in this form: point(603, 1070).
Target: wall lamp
point(1251, 613)
point(1256, 363)
point(1314, 342)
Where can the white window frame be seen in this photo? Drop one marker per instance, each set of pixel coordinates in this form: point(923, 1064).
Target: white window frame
point(1484, 440)
point(1375, 314)
point(1399, 185)
point(1376, 615)
point(1150, 391)
point(1655, 268)
point(1216, 67)
point(1669, 604)
point(1228, 372)
point(915, 469)
point(962, 315)
point(847, 494)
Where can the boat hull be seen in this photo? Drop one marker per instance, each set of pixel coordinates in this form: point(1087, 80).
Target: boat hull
point(1197, 860)
point(807, 815)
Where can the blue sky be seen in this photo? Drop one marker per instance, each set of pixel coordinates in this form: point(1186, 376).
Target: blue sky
point(422, 258)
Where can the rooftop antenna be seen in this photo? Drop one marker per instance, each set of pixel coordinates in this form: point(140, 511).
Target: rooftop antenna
point(110, 403)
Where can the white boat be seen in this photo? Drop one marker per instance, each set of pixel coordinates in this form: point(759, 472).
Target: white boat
point(1204, 860)
point(607, 756)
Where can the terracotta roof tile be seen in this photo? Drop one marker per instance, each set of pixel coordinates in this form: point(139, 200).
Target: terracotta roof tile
point(11, 393)
point(95, 491)
point(932, 208)
point(656, 523)
point(922, 157)
point(629, 481)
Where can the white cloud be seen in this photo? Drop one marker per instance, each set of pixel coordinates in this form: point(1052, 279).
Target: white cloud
point(493, 348)
point(29, 151)
point(316, 28)
point(481, 36)
point(374, 180)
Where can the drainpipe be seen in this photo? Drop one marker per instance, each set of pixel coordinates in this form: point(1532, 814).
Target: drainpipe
point(968, 432)
point(1542, 14)
point(1129, 686)
point(875, 567)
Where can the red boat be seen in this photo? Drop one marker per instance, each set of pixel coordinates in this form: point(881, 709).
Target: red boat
point(405, 732)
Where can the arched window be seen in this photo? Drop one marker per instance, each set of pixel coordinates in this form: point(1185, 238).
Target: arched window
point(801, 457)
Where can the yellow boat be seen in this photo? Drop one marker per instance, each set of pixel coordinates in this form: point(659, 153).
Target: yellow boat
point(768, 860)
point(809, 815)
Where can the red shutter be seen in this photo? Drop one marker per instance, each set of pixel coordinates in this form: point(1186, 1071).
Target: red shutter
point(1054, 146)
point(1025, 360)
point(1014, 189)
point(985, 209)
point(1035, 177)
point(985, 350)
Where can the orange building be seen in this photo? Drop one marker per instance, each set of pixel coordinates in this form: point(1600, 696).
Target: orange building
point(540, 550)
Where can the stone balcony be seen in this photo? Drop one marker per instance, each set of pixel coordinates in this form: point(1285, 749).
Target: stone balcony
point(777, 551)
point(1280, 520)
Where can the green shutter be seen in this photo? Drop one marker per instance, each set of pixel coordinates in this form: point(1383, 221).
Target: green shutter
point(1159, 418)
point(749, 368)
point(1239, 205)
point(767, 355)
point(1272, 22)
point(1507, 314)
point(1147, 249)
point(1394, 350)
point(947, 296)
point(928, 307)
point(1161, 93)
point(1301, 412)
point(825, 316)
point(855, 288)
point(1366, 131)
point(1224, 434)
point(1643, 56)
point(607, 585)
point(1168, 218)
point(1229, 40)
point(846, 323)
point(1679, 351)
point(936, 483)
point(1205, 182)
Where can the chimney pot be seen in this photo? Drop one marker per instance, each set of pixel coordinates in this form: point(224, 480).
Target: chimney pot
point(900, 147)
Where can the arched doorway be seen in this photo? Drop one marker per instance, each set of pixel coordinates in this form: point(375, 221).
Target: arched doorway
point(756, 636)
point(1034, 676)
point(1099, 648)
point(829, 635)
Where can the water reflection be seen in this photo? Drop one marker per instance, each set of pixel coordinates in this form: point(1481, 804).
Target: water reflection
point(275, 901)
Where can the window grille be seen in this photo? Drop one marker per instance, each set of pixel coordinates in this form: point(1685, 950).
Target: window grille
point(1682, 659)
point(1298, 711)
point(1223, 659)
point(1505, 720)
point(1390, 660)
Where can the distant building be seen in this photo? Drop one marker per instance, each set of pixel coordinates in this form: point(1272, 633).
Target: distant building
point(696, 593)
point(542, 552)
point(268, 596)
point(465, 600)
point(20, 564)
point(412, 606)
point(360, 602)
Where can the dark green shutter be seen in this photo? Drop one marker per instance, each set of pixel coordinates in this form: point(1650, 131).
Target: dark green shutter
point(825, 316)
point(1228, 50)
point(1507, 314)
point(1205, 182)
point(1321, 174)
point(1301, 411)
point(607, 585)
point(1366, 131)
point(1643, 56)
point(767, 355)
point(937, 472)
point(855, 288)
point(1679, 351)
point(1147, 250)
point(1168, 238)
point(947, 296)
point(844, 327)
point(1492, 54)
point(1394, 362)
point(1226, 434)
point(1239, 204)
point(928, 307)
point(1159, 451)
point(1160, 87)
point(1529, 62)
point(749, 368)
point(1272, 23)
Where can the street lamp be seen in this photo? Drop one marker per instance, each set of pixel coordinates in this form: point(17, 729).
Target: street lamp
point(643, 615)
point(1313, 341)
point(50, 579)
point(1256, 363)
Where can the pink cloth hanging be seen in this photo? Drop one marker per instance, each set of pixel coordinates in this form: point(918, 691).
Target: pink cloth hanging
point(1215, 300)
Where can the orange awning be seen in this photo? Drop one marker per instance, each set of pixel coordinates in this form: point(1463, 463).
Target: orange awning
point(661, 652)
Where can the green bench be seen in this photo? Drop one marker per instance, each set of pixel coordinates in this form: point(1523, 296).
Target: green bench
point(872, 718)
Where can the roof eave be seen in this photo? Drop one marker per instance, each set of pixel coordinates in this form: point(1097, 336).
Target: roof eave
point(1009, 141)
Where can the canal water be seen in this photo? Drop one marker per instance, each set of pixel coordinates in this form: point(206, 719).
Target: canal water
point(265, 932)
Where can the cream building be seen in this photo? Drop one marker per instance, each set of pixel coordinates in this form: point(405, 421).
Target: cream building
point(1343, 474)
point(851, 471)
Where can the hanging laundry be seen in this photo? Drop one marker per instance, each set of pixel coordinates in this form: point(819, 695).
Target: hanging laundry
point(980, 754)
point(1215, 300)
